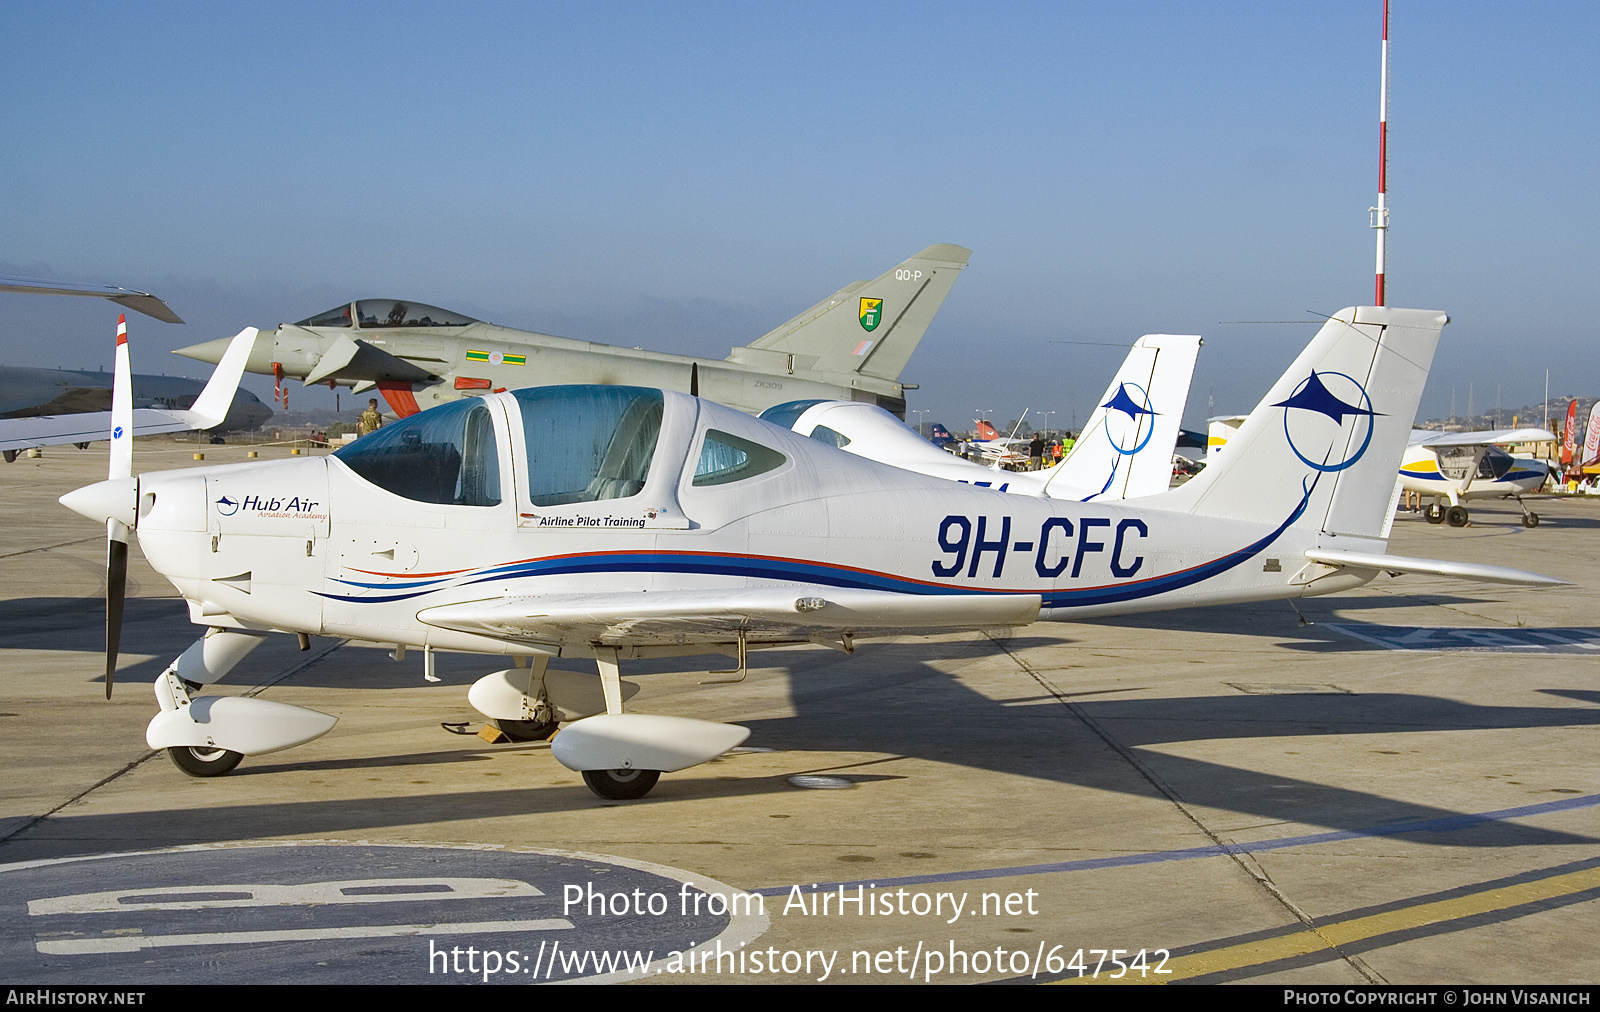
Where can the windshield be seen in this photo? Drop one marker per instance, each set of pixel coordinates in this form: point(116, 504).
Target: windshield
point(587, 443)
point(444, 455)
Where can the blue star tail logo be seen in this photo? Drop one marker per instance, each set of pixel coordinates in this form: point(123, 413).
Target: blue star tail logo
point(1127, 404)
point(1313, 395)
point(227, 507)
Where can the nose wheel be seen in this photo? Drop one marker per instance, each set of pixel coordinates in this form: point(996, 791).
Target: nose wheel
point(621, 785)
point(204, 762)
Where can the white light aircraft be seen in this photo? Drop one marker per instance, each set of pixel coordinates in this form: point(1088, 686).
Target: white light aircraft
point(207, 412)
point(1123, 452)
point(612, 523)
point(1455, 466)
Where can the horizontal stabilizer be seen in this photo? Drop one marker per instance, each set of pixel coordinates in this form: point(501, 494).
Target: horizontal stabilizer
point(1433, 567)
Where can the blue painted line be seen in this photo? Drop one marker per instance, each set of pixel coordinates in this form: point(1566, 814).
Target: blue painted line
point(1445, 825)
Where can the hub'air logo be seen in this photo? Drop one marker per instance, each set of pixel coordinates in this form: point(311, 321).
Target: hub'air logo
point(871, 314)
point(227, 507)
point(1130, 420)
point(1328, 421)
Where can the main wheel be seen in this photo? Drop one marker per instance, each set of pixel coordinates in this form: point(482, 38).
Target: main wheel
point(1456, 516)
point(204, 762)
point(1530, 519)
point(1433, 513)
point(621, 785)
point(526, 730)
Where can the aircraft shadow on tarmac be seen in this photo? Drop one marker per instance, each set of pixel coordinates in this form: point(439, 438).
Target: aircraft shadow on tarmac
point(914, 711)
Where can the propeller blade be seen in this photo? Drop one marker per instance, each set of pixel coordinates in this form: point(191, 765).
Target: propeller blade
point(116, 593)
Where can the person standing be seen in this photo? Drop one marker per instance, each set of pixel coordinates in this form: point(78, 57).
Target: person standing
point(371, 420)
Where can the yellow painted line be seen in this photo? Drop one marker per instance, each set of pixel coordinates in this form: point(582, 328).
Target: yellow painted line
point(1300, 943)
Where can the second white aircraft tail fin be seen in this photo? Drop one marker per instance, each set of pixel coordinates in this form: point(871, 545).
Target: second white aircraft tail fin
point(1125, 448)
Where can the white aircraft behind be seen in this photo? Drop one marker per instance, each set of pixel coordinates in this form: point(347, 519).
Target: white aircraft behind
point(207, 412)
point(1455, 466)
point(614, 522)
point(1123, 452)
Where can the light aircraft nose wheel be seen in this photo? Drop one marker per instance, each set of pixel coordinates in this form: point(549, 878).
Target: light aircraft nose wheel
point(1456, 516)
point(1530, 519)
point(1433, 513)
point(621, 785)
point(204, 762)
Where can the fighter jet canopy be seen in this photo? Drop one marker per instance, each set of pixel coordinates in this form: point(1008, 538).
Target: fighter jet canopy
point(371, 314)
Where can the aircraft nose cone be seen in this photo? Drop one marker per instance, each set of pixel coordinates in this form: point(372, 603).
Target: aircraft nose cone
point(116, 499)
point(261, 353)
point(206, 351)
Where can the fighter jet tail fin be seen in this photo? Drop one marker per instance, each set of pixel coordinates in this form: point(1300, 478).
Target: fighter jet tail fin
point(1322, 448)
point(869, 327)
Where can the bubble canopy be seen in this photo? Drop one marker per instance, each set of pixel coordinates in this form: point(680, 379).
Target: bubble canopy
point(374, 314)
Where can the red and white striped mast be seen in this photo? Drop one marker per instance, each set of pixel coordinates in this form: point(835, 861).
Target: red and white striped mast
point(1380, 214)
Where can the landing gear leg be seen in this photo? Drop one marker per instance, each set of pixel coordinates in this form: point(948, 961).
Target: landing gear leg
point(1529, 517)
point(622, 784)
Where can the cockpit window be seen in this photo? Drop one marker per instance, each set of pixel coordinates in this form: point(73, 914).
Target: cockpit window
point(445, 455)
point(587, 443)
point(725, 458)
point(787, 413)
point(377, 313)
point(394, 313)
point(338, 316)
point(823, 434)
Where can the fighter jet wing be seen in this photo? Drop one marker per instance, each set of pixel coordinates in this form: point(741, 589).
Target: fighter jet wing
point(792, 612)
point(142, 302)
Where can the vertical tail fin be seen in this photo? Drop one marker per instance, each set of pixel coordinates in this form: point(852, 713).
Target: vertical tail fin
point(1325, 443)
point(1125, 448)
point(869, 327)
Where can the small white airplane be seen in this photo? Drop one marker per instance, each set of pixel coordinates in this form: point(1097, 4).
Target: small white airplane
point(998, 452)
point(612, 523)
point(1123, 452)
point(207, 412)
point(1455, 466)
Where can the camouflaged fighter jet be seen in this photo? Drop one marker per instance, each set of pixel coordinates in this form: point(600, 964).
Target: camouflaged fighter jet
point(850, 346)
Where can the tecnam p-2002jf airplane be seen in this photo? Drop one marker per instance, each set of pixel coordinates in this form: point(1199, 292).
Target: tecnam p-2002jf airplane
point(617, 522)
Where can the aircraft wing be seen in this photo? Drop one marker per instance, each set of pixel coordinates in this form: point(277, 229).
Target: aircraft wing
point(793, 612)
point(1484, 438)
point(1433, 567)
point(142, 302)
point(207, 411)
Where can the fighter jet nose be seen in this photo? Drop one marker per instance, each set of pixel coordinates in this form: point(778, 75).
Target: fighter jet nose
point(116, 499)
point(207, 351)
point(260, 360)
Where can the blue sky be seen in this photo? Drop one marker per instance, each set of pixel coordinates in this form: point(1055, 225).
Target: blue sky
point(686, 176)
